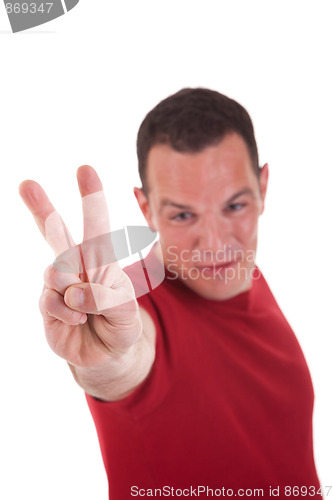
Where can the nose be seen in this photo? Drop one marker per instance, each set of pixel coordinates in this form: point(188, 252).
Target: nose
point(213, 233)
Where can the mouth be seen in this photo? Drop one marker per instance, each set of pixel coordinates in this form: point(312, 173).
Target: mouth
point(210, 268)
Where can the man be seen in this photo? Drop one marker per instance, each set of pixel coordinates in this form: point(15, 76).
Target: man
point(199, 387)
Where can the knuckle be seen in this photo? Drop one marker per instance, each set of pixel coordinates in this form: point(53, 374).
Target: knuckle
point(44, 300)
point(50, 275)
point(72, 317)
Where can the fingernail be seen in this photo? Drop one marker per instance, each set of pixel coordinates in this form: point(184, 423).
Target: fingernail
point(76, 297)
point(83, 319)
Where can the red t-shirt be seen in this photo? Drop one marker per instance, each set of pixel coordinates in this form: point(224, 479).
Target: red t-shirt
point(227, 405)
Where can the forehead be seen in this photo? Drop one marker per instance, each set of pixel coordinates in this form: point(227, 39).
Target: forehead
point(218, 169)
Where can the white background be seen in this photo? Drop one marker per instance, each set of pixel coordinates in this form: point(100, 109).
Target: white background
point(74, 91)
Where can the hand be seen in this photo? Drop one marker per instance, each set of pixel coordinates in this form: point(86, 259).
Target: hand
point(90, 314)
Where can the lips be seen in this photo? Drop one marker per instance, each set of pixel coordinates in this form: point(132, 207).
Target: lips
point(217, 265)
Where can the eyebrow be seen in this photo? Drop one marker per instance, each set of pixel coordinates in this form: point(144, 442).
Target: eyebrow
point(169, 203)
point(240, 193)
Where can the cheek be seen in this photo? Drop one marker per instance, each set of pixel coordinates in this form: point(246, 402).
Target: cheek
point(170, 236)
point(174, 242)
point(246, 229)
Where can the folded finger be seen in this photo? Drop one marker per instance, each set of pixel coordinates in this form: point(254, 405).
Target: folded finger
point(59, 281)
point(51, 303)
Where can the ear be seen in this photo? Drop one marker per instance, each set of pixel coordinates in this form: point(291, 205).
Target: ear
point(143, 202)
point(263, 181)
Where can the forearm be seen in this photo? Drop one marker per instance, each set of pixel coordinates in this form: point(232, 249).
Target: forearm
point(119, 376)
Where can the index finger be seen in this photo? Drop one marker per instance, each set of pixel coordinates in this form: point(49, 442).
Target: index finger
point(47, 218)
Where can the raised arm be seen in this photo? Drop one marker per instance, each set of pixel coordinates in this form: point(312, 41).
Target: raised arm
point(90, 313)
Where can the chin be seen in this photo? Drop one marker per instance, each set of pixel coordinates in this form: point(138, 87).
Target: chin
point(210, 289)
point(220, 288)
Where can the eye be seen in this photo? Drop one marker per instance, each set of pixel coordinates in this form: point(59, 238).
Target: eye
point(182, 216)
point(235, 207)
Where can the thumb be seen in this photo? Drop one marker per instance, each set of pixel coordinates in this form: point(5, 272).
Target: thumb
point(93, 298)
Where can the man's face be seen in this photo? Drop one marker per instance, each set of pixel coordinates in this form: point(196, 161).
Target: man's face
point(205, 207)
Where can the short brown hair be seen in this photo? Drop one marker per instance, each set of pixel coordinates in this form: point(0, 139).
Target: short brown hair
point(191, 120)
